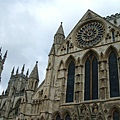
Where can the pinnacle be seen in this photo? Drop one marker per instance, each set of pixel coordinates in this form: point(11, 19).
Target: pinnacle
point(0, 53)
point(23, 69)
point(13, 71)
point(34, 73)
point(60, 30)
point(17, 70)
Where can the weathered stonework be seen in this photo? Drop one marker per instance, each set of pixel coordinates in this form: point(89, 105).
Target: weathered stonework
point(23, 100)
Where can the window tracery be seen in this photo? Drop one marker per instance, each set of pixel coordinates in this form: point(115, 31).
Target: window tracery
point(91, 78)
point(70, 82)
point(113, 75)
point(90, 34)
point(67, 117)
point(116, 115)
point(58, 117)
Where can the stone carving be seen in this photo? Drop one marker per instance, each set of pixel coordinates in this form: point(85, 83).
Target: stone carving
point(83, 109)
point(95, 108)
point(90, 34)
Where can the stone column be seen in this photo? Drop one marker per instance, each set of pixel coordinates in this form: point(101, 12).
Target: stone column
point(103, 81)
point(79, 83)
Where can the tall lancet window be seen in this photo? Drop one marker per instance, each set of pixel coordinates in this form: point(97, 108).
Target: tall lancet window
point(58, 117)
point(70, 82)
point(67, 117)
point(113, 75)
point(91, 78)
point(116, 115)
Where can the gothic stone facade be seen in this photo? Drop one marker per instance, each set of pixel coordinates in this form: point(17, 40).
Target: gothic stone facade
point(82, 79)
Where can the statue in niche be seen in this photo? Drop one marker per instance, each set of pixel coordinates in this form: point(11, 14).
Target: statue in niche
point(95, 109)
point(83, 109)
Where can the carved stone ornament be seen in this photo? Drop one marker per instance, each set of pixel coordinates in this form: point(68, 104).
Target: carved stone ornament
point(90, 34)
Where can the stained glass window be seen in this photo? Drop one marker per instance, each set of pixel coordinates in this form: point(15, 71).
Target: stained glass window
point(113, 75)
point(58, 117)
point(91, 78)
point(94, 79)
point(116, 115)
point(70, 82)
point(87, 80)
point(67, 117)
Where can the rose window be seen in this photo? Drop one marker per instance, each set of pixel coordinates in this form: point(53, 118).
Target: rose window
point(90, 34)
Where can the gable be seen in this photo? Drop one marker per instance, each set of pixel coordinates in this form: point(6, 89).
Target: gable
point(92, 30)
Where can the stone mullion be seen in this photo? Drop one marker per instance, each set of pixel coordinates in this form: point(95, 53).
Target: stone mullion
point(103, 87)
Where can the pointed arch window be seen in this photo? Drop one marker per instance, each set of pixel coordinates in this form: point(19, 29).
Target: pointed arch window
point(58, 117)
point(68, 47)
point(113, 75)
point(113, 35)
point(91, 78)
point(70, 82)
point(116, 115)
point(67, 117)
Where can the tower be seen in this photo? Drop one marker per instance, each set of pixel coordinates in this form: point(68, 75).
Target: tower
point(82, 79)
point(17, 80)
point(30, 89)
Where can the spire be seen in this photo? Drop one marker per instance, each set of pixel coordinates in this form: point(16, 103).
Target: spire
point(60, 30)
point(17, 70)
point(3, 92)
point(13, 71)
point(0, 54)
point(0, 49)
point(23, 69)
point(27, 73)
point(59, 36)
point(4, 57)
point(34, 73)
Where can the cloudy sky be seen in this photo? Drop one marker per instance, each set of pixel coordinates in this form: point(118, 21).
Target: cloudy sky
point(27, 29)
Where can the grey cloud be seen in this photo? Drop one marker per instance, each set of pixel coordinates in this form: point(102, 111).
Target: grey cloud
point(27, 28)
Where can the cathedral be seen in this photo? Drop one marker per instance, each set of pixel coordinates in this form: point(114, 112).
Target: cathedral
point(82, 80)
